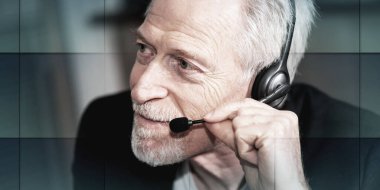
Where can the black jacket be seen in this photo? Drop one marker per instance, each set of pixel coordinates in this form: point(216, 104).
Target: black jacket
point(334, 155)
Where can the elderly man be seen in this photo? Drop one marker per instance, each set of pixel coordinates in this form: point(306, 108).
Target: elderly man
point(199, 59)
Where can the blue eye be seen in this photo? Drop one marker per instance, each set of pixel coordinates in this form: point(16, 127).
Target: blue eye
point(141, 47)
point(144, 49)
point(145, 53)
point(183, 64)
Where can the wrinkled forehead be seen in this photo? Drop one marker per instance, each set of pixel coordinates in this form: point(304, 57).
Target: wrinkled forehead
point(209, 15)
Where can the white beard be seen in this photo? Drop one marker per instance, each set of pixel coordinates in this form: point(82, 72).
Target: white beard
point(156, 146)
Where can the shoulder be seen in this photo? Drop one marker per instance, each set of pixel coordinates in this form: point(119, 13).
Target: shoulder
point(338, 148)
point(323, 116)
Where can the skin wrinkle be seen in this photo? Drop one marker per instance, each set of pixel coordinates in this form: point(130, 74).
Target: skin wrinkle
point(193, 110)
point(147, 35)
point(204, 37)
point(178, 39)
point(214, 97)
point(207, 98)
point(216, 44)
point(212, 94)
point(215, 94)
point(190, 78)
point(190, 115)
point(197, 62)
point(201, 40)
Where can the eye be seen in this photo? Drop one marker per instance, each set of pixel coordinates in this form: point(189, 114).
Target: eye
point(183, 64)
point(145, 53)
point(141, 47)
point(144, 49)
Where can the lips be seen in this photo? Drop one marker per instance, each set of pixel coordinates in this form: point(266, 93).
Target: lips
point(150, 119)
point(155, 113)
point(147, 123)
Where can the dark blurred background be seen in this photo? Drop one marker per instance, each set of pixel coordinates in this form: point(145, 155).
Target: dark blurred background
point(58, 55)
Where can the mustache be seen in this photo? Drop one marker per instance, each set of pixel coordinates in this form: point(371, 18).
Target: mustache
point(154, 112)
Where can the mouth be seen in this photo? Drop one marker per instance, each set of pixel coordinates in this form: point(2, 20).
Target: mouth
point(149, 119)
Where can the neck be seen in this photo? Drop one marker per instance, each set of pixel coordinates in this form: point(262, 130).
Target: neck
point(217, 169)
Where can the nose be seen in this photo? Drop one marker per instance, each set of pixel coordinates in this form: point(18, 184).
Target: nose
point(149, 83)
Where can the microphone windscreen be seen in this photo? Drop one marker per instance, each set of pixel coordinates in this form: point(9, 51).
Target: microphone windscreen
point(178, 125)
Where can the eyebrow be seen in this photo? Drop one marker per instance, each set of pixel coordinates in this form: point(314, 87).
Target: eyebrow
point(186, 54)
point(140, 36)
point(194, 56)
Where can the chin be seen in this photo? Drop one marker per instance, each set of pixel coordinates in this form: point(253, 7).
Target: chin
point(155, 146)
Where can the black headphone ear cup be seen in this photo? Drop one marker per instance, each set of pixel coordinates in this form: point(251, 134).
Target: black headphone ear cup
point(258, 88)
point(268, 81)
point(278, 80)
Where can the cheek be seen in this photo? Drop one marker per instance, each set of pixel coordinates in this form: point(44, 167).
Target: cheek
point(214, 92)
point(197, 100)
point(222, 91)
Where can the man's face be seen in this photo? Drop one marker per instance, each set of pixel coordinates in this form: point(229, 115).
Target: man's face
point(185, 66)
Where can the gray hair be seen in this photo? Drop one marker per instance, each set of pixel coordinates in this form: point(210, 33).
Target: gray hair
point(264, 33)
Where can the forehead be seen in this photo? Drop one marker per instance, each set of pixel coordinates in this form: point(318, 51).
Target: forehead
point(205, 18)
point(195, 10)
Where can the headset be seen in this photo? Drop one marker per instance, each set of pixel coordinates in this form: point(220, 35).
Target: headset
point(276, 76)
